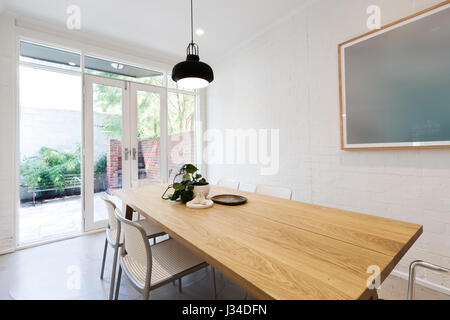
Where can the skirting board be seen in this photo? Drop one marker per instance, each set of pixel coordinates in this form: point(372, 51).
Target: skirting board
point(6, 251)
point(422, 282)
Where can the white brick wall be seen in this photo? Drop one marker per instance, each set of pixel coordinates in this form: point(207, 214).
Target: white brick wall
point(287, 79)
point(7, 132)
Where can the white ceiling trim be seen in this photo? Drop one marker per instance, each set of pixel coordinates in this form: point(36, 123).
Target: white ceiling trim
point(102, 46)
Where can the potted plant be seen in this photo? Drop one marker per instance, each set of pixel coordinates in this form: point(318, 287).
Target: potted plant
point(190, 186)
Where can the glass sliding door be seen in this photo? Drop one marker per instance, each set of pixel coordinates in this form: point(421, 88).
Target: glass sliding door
point(107, 145)
point(50, 144)
point(148, 125)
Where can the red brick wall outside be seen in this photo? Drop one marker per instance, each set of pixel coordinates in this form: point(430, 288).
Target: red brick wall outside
point(114, 163)
point(181, 151)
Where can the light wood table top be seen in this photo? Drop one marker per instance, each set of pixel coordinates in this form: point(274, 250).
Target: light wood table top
point(282, 249)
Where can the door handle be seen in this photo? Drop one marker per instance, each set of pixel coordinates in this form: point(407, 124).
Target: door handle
point(134, 153)
point(127, 153)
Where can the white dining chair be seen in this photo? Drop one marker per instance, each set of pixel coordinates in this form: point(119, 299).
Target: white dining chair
point(412, 274)
point(150, 267)
point(228, 183)
point(114, 238)
point(279, 192)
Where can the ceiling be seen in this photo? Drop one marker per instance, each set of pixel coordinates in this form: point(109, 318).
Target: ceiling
point(163, 25)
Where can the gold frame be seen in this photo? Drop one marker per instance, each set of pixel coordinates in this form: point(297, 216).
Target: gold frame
point(341, 102)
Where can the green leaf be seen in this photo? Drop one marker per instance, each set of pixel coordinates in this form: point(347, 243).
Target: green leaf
point(187, 196)
point(175, 196)
point(190, 168)
point(187, 177)
point(178, 186)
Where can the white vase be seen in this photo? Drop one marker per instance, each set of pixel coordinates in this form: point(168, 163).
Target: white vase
point(203, 189)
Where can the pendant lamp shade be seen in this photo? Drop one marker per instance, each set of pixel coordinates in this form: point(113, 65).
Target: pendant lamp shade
point(192, 73)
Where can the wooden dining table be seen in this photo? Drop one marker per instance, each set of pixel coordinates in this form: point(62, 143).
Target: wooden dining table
point(282, 249)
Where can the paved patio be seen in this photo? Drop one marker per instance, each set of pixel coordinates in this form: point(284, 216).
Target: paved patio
point(55, 218)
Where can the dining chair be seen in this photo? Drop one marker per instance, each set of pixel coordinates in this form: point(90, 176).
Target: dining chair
point(412, 274)
point(114, 238)
point(228, 183)
point(278, 192)
point(150, 267)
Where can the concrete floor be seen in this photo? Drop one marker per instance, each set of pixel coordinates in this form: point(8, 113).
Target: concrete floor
point(70, 269)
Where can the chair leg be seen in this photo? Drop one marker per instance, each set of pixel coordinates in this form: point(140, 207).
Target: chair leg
point(104, 259)
point(113, 273)
point(146, 293)
point(214, 283)
point(179, 285)
point(119, 277)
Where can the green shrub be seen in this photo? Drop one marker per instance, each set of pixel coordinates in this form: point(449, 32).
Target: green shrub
point(49, 168)
point(100, 165)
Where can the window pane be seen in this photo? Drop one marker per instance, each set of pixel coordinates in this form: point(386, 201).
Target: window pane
point(149, 135)
point(50, 154)
point(181, 131)
point(107, 144)
point(47, 56)
point(116, 70)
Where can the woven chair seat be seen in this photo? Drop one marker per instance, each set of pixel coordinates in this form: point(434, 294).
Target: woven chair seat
point(169, 259)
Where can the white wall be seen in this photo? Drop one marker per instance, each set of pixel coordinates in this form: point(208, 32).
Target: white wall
point(7, 131)
point(287, 79)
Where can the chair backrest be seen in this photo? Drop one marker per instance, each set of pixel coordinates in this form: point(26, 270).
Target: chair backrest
point(113, 224)
point(278, 192)
point(144, 182)
point(228, 183)
point(136, 244)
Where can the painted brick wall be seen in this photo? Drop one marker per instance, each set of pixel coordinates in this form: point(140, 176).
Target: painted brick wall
point(181, 151)
point(286, 78)
point(7, 132)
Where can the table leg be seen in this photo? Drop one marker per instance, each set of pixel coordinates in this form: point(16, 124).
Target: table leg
point(129, 213)
point(374, 295)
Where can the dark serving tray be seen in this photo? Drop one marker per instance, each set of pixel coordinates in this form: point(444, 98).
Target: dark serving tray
point(229, 199)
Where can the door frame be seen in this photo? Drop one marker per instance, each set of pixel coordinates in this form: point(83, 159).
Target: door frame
point(129, 138)
point(88, 147)
point(164, 129)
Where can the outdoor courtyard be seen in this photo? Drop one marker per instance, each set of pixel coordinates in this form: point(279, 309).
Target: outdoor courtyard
point(55, 218)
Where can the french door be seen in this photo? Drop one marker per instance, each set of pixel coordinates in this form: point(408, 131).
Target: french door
point(125, 139)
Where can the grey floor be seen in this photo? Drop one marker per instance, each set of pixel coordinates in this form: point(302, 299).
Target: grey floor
point(70, 269)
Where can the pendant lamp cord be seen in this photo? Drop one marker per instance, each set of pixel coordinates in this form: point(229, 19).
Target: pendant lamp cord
point(192, 22)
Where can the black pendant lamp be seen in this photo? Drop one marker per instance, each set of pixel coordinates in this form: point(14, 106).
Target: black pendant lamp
point(192, 73)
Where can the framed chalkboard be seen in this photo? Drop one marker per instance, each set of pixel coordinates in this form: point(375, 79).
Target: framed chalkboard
point(395, 84)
